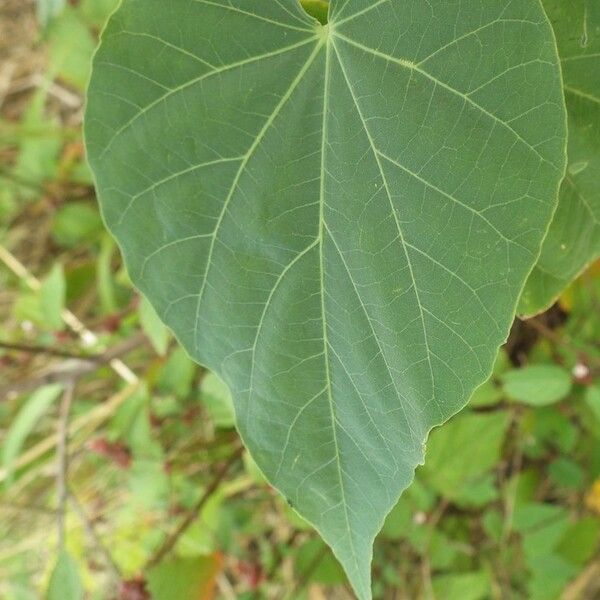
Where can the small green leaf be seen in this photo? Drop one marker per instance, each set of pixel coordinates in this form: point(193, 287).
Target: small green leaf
point(493, 523)
point(217, 399)
point(76, 222)
point(580, 541)
point(460, 454)
point(39, 142)
point(592, 399)
point(125, 424)
point(65, 583)
point(253, 470)
point(95, 12)
point(566, 473)
point(104, 276)
point(32, 410)
point(399, 520)
point(27, 307)
point(48, 10)
point(153, 327)
point(178, 373)
point(537, 385)
point(487, 394)
point(144, 445)
point(53, 297)
point(532, 516)
point(463, 586)
point(202, 537)
point(542, 527)
point(544, 539)
point(148, 483)
point(70, 48)
point(184, 578)
point(550, 573)
point(314, 558)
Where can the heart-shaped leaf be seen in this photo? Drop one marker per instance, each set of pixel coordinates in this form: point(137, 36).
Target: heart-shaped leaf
point(337, 219)
point(573, 240)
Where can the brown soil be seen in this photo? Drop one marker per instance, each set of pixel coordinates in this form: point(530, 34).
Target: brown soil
point(20, 55)
point(18, 29)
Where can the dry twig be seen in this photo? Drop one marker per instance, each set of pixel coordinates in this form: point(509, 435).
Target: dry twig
point(33, 349)
point(74, 368)
point(95, 538)
point(173, 538)
point(88, 338)
point(63, 461)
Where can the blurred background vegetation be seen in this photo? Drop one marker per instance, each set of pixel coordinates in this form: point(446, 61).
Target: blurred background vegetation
point(121, 474)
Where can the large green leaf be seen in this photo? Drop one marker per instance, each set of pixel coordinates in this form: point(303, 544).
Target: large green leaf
point(537, 385)
point(338, 220)
point(573, 240)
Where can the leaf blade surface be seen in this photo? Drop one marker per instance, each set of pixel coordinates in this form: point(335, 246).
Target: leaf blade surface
point(337, 219)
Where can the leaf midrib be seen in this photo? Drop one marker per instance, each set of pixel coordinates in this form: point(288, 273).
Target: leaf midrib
point(334, 421)
point(396, 220)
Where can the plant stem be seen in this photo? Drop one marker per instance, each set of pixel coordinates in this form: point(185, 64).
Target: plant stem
point(63, 461)
point(93, 535)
